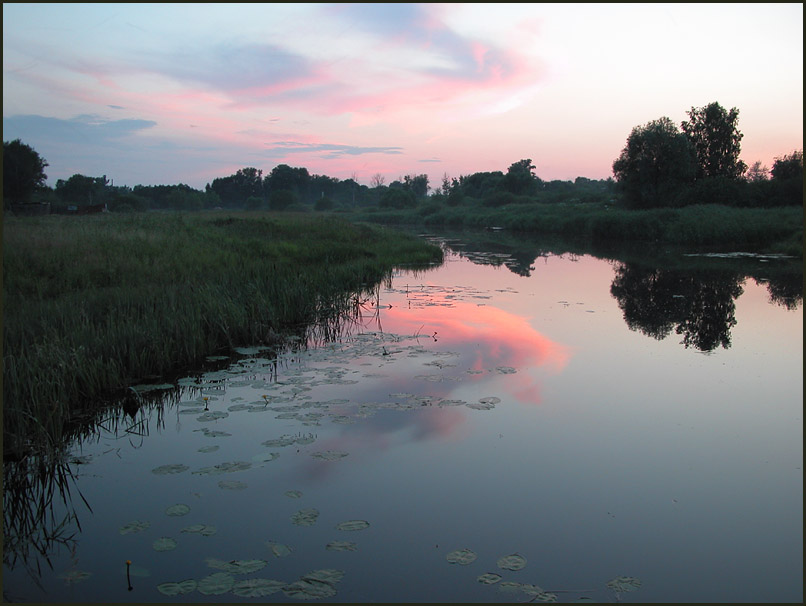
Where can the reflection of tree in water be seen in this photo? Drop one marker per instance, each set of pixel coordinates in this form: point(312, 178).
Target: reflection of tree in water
point(785, 290)
point(699, 306)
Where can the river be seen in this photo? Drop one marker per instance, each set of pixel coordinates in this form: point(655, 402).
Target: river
point(517, 424)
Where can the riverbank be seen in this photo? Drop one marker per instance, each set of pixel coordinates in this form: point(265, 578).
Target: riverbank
point(771, 230)
point(96, 303)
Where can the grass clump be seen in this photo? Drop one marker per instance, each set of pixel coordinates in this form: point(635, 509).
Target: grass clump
point(96, 303)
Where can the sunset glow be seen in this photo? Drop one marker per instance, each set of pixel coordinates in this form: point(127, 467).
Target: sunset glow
point(180, 93)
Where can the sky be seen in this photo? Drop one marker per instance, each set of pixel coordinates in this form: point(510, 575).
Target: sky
point(161, 94)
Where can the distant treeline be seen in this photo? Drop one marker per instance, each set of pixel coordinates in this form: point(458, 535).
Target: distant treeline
point(661, 166)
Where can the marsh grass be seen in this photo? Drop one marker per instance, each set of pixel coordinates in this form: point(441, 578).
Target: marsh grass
point(93, 304)
point(777, 229)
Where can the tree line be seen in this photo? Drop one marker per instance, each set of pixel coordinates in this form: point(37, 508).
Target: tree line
point(661, 165)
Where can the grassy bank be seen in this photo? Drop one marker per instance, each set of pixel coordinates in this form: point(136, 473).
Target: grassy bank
point(95, 303)
point(778, 230)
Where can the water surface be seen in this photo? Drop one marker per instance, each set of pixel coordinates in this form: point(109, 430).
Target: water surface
point(597, 419)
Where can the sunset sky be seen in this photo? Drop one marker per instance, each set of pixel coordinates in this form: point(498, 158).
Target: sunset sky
point(183, 93)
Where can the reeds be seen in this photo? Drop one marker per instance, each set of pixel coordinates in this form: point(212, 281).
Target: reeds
point(92, 304)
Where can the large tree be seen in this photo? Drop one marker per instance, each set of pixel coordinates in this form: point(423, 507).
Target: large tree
point(23, 171)
point(521, 179)
point(715, 137)
point(655, 165)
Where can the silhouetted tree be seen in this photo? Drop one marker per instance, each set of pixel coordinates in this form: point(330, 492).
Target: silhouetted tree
point(23, 171)
point(655, 165)
point(81, 189)
point(789, 166)
point(521, 179)
point(715, 137)
point(757, 172)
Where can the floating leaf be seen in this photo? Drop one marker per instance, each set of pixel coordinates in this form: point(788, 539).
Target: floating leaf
point(212, 433)
point(278, 549)
point(509, 586)
point(505, 370)
point(203, 529)
point(489, 578)
point(212, 448)
point(257, 588)
point(164, 544)
point(305, 517)
point(341, 546)
point(236, 566)
point(216, 584)
point(172, 589)
point(326, 575)
point(266, 457)
point(135, 526)
point(512, 562)
point(74, 576)
point(166, 469)
point(232, 485)
point(309, 590)
point(212, 415)
point(352, 525)
point(461, 556)
point(228, 467)
point(179, 509)
point(294, 494)
point(329, 455)
point(623, 584)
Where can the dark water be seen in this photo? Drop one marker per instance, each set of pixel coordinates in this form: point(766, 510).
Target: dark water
point(597, 418)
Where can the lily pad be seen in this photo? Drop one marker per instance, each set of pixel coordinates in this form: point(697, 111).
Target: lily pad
point(352, 525)
point(166, 469)
point(237, 566)
point(257, 588)
point(329, 455)
point(293, 494)
point(164, 544)
point(216, 584)
point(309, 590)
point(233, 485)
point(341, 546)
point(279, 550)
point(489, 578)
point(461, 556)
point(203, 529)
point(326, 575)
point(172, 589)
point(75, 576)
point(305, 517)
point(212, 448)
point(228, 467)
point(265, 457)
point(179, 509)
point(624, 584)
point(212, 415)
point(134, 526)
point(513, 561)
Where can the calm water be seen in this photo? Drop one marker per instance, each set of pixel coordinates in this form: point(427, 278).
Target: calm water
point(595, 418)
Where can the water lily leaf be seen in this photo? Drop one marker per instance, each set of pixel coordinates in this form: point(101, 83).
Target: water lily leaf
point(212, 448)
point(212, 433)
point(166, 469)
point(461, 556)
point(329, 455)
point(75, 576)
point(135, 526)
point(305, 517)
point(203, 529)
point(489, 578)
point(505, 370)
point(164, 544)
point(326, 575)
point(352, 525)
point(236, 566)
point(278, 549)
point(509, 586)
point(257, 588)
point(309, 590)
point(172, 589)
point(265, 457)
point(622, 584)
point(232, 485)
point(212, 415)
point(179, 509)
point(513, 561)
point(228, 467)
point(216, 584)
point(341, 546)
point(294, 494)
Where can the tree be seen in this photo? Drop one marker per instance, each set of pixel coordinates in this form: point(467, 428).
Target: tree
point(281, 199)
point(713, 133)
point(655, 165)
point(377, 180)
point(521, 179)
point(81, 189)
point(23, 171)
point(417, 184)
point(788, 167)
point(757, 172)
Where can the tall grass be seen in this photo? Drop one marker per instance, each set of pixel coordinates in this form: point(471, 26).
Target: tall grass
point(777, 229)
point(95, 303)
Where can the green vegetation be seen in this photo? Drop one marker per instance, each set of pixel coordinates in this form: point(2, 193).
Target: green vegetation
point(99, 302)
